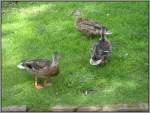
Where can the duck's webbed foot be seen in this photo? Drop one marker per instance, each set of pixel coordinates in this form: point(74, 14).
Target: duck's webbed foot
point(37, 85)
point(47, 83)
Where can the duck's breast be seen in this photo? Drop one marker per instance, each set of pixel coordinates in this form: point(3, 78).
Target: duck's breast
point(53, 71)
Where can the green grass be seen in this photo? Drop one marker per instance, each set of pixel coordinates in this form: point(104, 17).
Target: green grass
point(36, 30)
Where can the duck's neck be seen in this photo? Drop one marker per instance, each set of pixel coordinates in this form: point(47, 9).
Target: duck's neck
point(103, 37)
point(77, 17)
point(54, 62)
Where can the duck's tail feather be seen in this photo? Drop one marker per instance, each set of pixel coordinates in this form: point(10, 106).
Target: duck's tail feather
point(20, 66)
point(108, 33)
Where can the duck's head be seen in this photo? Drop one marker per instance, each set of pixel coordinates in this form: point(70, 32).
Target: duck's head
point(76, 13)
point(55, 58)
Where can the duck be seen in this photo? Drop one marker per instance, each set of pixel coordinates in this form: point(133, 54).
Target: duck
point(87, 26)
point(101, 50)
point(41, 68)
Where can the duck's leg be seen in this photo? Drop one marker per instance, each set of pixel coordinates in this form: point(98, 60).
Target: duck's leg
point(37, 85)
point(47, 83)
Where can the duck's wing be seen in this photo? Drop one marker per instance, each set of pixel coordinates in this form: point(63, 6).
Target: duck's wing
point(37, 64)
point(107, 48)
point(90, 23)
point(99, 52)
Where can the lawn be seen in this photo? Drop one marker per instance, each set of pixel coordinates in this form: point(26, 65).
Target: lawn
point(35, 30)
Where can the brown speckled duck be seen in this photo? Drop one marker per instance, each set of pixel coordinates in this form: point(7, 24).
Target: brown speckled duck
point(101, 50)
point(87, 26)
point(41, 68)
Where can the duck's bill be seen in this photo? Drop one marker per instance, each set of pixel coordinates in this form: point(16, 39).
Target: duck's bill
point(20, 66)
point(108, 33)
point(95, 62)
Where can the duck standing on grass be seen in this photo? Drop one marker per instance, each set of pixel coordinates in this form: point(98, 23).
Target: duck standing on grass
point(41, 68)
point(87, 26)
point(101, 50)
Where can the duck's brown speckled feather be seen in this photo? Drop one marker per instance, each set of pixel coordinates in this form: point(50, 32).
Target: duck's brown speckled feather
point(88, 27)
point(41, 67)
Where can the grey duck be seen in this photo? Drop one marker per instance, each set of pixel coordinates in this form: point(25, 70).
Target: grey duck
point(101, 50)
